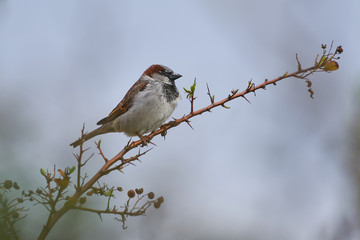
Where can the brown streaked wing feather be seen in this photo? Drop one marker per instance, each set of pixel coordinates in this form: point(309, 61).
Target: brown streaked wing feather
point(125, 103)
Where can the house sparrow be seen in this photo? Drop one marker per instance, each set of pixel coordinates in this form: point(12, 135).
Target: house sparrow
point(145, 107)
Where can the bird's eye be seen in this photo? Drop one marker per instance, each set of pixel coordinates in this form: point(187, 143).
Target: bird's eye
point(166, 73)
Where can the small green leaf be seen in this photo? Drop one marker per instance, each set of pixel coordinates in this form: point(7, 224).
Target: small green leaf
point(250, 85)
point(192, 88)
point(285, 74)
point(71, 170)
point(227, 107)
point(109, 193)
point(187, 91)
point(322, 60)
point(42, 171)
point(62, 183)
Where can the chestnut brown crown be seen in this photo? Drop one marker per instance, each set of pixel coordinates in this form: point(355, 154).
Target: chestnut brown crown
point(161, 70)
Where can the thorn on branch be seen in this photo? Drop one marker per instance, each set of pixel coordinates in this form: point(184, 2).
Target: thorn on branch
point(212, 97)
point(224, 106)
point(164, 132)
point(332, 42)
point(87, 159)
point(128, 145)
point(173, 123)
point(265, 82)
point(233, 92)
point(246, 99)
point(100, 151)
point(298, 63)
point(133, 158)
point(188, 123)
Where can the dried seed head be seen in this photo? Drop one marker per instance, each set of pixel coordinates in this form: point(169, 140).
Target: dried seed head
point(339, 49)
point(16, 186)
point(161, 199)
point(157, 205)
point(131, 193)
point(8, 184)
point(151, 195)
point(139, 190)
point(82, 200)
point(158, 202)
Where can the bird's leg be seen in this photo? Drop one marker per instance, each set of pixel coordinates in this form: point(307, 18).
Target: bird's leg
point(144, 139)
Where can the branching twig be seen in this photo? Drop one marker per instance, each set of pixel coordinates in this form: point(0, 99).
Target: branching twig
point(251, 88)
point(100, 151)
point(325, 64)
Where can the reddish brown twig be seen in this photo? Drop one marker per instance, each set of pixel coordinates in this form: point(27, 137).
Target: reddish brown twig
point(325, 64)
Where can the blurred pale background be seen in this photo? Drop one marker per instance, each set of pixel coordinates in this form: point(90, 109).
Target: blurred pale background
point(283, 167)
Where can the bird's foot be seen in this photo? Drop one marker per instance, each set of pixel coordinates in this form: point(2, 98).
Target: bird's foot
point(145, 140)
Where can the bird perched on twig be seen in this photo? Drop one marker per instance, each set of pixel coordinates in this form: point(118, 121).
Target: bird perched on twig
point(145, 107)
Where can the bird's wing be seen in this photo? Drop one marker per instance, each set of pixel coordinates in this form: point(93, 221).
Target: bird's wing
point(125, 103)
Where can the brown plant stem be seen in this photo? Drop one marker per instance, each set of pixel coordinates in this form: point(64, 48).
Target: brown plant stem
point(55, 215)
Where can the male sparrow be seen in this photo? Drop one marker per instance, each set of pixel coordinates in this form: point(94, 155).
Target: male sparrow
point(145, 107)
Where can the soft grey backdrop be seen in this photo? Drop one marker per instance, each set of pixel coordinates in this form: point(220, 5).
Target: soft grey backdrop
point(274, 169)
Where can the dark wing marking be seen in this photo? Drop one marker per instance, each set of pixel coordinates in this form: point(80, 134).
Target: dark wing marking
point(125, 103)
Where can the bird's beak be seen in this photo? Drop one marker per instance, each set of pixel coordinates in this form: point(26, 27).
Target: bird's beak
point(175, 76)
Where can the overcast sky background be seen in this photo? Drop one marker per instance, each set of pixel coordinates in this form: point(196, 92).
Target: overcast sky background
point(273, 169)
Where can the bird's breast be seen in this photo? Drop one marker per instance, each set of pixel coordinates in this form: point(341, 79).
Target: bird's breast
point(150, 109)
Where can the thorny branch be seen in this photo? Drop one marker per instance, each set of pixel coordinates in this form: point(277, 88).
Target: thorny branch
point(118, 162)
point(135, 210)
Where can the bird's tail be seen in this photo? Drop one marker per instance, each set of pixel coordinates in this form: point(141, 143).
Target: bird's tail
point(101, 130)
